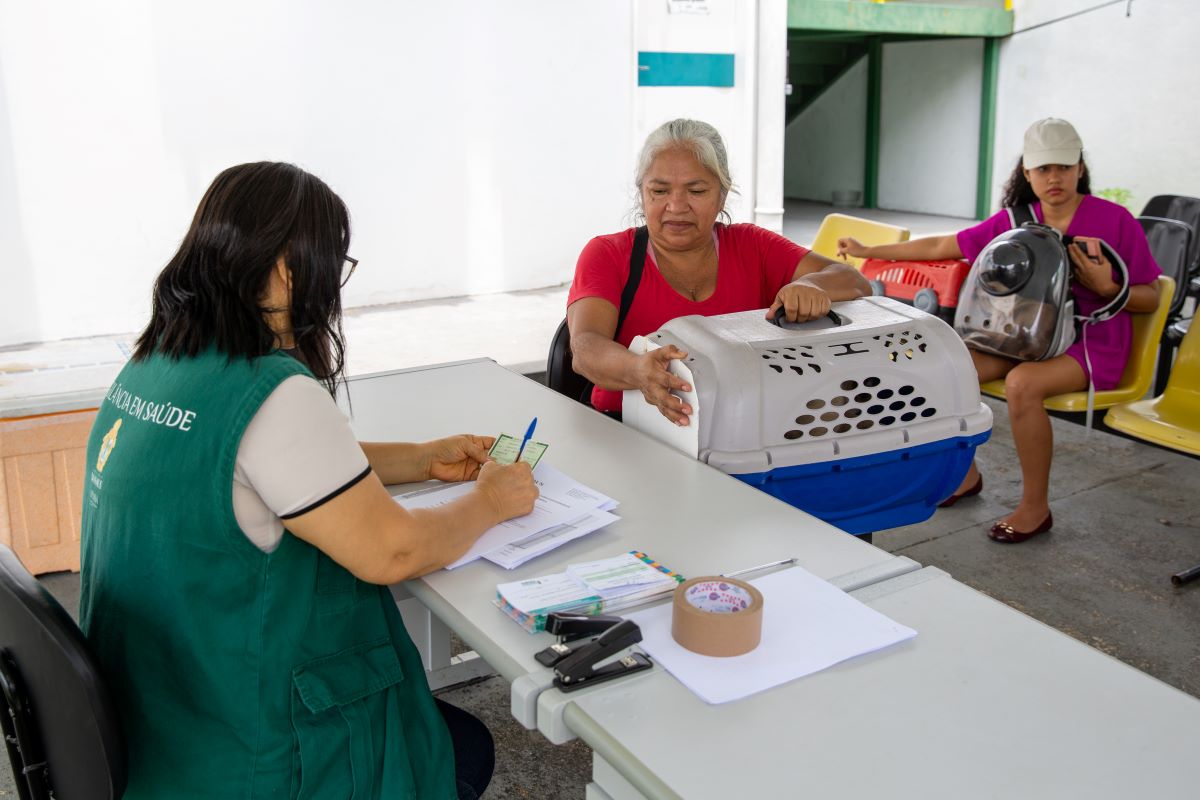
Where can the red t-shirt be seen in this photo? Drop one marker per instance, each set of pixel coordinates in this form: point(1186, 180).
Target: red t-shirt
point(753, 264)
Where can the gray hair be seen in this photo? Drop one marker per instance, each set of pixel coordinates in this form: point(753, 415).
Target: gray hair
point(700, 138)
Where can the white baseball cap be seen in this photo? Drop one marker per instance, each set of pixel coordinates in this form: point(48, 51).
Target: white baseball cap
point(1051, 141)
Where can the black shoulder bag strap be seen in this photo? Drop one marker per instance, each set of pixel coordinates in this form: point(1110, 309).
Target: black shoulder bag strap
point(1019, 215)
point(637, 261)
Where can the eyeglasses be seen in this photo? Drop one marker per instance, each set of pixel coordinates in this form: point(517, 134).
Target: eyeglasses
point(348, 268)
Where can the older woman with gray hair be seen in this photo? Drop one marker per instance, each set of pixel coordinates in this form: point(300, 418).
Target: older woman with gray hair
point(693, 265)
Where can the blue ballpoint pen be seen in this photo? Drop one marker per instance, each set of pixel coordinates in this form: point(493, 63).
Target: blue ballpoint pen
point(528, 434)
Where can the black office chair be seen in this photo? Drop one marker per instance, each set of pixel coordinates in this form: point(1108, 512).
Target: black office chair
point(559, 374)
point(61, 727)
point(1170, 244)
point(1184, 209)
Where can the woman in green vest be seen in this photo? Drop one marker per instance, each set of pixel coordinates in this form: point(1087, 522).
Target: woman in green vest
point(238, 542)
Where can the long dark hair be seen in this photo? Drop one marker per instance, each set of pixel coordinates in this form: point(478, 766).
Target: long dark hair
point(1019, 192)
point(210, 293)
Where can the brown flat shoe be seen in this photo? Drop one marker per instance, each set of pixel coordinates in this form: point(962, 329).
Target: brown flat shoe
point(1006, 534)
point(954, 498)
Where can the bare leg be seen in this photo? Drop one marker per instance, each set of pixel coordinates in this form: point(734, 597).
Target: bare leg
point(989, 368)
point(1026, 386)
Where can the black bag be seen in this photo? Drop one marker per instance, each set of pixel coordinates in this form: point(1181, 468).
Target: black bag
point(560, 376)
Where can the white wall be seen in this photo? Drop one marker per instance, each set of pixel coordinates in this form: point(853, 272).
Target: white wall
point(729, 26)
point(825, 145)
point(478, 145)
point(1128, 84)
point(929, 126)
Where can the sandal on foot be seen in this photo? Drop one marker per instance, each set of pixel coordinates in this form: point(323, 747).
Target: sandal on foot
point(954, 498)
point(1006, 534)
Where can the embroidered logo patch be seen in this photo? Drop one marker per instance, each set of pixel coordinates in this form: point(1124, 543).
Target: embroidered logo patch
point(107, 445)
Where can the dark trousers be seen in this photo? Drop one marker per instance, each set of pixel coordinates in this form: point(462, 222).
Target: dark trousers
point(474, 751)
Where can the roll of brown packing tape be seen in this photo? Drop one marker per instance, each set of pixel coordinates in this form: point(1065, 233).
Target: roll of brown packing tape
point(717, 616)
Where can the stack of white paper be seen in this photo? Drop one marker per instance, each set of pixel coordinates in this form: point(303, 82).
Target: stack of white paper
point(808, 625)
point(565, 510)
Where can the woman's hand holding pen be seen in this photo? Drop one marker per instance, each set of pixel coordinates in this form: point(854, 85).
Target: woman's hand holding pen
point(509, 488)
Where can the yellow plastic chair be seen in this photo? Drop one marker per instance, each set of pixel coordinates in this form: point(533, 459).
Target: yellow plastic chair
point(1173, 418)
point(869, 232)
point(1139, 370)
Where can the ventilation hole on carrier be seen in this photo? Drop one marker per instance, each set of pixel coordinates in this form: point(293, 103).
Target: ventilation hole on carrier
point(908, 353)
point(892, 356)
point(967, 319)
point(875, 409)
point(789, 358)
point(886, 420)
point(808, 355)
point(851, 413)
point(987, 323)
point(841, 428)
point(884, 394)
point(766, 357)
point(776, 352)
point(922, 347)
point(815, 404)
point(815, 367)
point(908, 416)
point(929, 412)
point(840, 400)
point(864, 424)
point(871, 382)
point(818, 432)
point(849, 386)
point(896, 405)
point(862, 397)
point(829, 416)
point(797, 370)
point(775, 367)
point(1008, 328)
point(805, 419)
point(905, 390)
point(917, 401)
point(904, 341)
point(790, 349)
point(793, 434)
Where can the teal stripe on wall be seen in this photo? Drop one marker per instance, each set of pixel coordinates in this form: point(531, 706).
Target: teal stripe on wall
point(685, 69)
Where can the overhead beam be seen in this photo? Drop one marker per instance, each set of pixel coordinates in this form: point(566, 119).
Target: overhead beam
point(924, 19)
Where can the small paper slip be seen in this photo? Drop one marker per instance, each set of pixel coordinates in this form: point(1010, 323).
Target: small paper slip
point(619, 575)
point(808, 625)
point(529, 601)
point(505, 450)
point(514, 555)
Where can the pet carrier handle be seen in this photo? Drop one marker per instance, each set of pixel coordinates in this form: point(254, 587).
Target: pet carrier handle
point(780, 312)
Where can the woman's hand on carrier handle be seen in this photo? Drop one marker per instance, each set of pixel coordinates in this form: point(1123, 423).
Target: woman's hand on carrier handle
point(656, 382)
point(849, 246)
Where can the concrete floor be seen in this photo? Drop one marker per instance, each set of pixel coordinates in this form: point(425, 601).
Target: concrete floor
point(1125, 519)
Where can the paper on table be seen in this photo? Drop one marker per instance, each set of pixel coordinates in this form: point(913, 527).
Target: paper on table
point(514, 555)
point(641, 416)
point(618, 573)
point(562, 500)
point(808, 625)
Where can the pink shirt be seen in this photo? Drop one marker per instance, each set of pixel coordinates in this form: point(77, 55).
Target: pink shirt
point(1108, 343)
point(753, 264)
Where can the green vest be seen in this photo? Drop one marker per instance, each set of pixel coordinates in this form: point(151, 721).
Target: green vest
point(238, 674)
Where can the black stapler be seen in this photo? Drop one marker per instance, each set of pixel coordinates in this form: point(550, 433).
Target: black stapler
point(575, 665)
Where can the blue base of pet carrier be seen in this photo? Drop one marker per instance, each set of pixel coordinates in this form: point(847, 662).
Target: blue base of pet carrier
point(871, 493)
